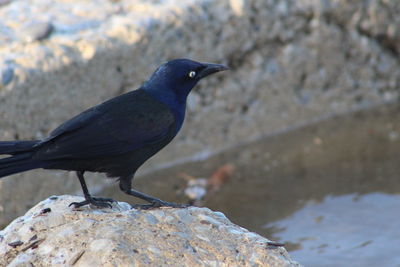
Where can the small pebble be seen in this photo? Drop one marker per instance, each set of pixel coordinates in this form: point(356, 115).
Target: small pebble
point(33, 238)
point(46, 210)
point(36, 31)
point(4, 2)
point(15, 244)
point(7, 75)
point(275, 244)
point(195, 192)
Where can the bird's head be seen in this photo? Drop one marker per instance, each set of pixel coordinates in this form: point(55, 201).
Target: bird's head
point(177, 77)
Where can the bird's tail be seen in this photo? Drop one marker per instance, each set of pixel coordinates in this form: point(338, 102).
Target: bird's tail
point(15, 147)
point(21, 157)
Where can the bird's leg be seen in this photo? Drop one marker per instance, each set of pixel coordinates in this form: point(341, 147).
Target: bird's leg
point(125, 186)
point(95, 201)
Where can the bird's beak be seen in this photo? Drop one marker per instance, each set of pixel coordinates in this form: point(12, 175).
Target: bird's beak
point(211, 68)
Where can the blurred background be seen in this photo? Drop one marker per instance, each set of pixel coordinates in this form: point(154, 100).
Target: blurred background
point(298, 142)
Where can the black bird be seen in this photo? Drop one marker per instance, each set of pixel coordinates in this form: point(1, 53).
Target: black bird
point(117, 136)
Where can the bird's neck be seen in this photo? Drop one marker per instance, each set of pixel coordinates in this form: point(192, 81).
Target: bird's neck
point(170, 99)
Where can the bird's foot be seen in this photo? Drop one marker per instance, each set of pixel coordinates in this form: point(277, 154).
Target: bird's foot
point(158, 204)
point(104, 199)
point(98, 202)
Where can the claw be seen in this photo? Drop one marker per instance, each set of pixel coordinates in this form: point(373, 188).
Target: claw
point(73, 204)
point(158, 204)
point(97, 202)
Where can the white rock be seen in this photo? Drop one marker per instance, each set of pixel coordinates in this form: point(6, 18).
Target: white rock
point(109, 237)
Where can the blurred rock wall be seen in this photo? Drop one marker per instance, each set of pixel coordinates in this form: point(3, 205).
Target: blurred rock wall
point(292, 61)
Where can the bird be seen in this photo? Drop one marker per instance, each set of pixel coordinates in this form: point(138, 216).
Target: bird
point(117, 136)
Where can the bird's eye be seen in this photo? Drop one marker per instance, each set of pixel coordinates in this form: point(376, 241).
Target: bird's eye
point(192, 74)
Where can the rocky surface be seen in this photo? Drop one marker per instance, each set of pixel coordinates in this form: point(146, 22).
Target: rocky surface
point(52, 234)
point(292, 61)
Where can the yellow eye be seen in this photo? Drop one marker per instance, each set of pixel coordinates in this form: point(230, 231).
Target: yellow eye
point(192, 74)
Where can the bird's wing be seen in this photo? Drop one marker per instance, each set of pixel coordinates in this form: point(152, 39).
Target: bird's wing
point(117, 126)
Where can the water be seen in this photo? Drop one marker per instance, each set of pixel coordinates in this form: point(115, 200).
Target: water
point(330, 191)
point(347, 230)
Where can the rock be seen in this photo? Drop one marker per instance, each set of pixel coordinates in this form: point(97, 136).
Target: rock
point(291, 63)
point(122, 236)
